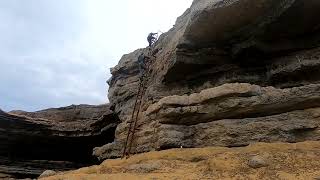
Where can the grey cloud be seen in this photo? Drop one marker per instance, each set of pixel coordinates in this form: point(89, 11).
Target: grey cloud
point(37, 86)
point(39, 24)
point(36, 71)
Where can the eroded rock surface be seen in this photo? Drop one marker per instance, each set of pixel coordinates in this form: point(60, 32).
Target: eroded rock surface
point(229, 73)
point(57, 139)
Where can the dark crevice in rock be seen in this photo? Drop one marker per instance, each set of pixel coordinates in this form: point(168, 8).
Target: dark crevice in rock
point(302, 133)
point(168, 146)
point(303, 76)
point(251, 67)
point(276, 110)
point(237, 145)
point(257, 112)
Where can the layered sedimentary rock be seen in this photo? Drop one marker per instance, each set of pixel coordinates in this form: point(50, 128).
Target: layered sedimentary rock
point(70, 113)
point(229, 73)
point(57, 139)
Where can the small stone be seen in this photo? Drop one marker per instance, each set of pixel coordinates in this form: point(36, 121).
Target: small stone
point(47, 173)
point(257, 162)
point(143, 168)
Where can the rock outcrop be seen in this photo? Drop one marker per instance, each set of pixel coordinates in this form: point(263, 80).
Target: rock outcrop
point(229, 73)
point(57, 139)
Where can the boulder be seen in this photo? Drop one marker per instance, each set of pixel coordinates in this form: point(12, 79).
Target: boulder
point(47, 173)
point(257, 162)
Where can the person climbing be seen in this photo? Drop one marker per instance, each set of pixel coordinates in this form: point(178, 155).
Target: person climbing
point(142, 64)
point(151, 38)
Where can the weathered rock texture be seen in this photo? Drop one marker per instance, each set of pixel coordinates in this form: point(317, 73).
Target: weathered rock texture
point(57, 139)
point(229, 73)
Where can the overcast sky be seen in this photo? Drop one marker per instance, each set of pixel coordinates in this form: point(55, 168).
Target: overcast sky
point(56, 53)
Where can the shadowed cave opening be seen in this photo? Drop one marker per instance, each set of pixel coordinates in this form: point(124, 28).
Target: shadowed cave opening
point(44, 151)
point(55, 148)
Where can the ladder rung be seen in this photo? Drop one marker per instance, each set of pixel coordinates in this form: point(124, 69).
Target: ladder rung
point(135, 114)
point(134, 130)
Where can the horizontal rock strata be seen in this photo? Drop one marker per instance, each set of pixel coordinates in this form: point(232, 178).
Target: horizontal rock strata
point(65, 140)
point(228, 73)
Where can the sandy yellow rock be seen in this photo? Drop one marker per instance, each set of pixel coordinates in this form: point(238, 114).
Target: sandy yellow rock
point(285, 161)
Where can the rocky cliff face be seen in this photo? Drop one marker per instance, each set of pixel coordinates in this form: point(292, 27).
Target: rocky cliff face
point(229, 73)
point(57, 139)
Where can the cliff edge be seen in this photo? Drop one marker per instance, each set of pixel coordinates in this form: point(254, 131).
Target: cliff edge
point(229, 73)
